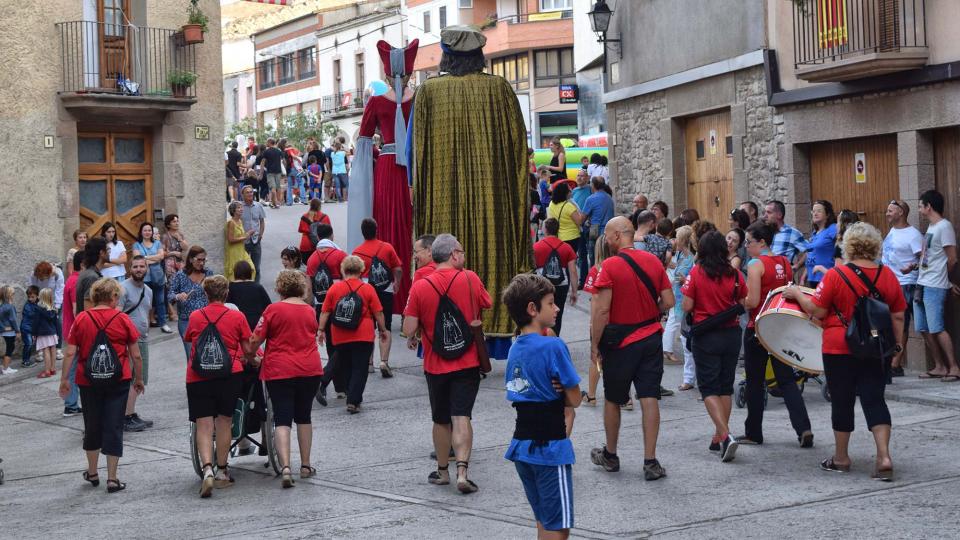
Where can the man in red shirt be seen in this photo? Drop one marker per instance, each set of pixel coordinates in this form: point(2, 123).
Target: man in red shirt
point(452, 384)
point(625, 317)
point(556, 261)
point(331, 256)
point(382, 273)
point(423, 257)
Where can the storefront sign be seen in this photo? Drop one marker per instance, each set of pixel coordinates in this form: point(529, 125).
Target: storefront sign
point(860, 168)
point(569, 93)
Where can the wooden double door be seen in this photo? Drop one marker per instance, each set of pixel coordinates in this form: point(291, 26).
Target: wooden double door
point(115, 181)
point(708, 151)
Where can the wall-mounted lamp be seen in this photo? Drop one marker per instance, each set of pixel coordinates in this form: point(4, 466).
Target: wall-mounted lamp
point(600, 22)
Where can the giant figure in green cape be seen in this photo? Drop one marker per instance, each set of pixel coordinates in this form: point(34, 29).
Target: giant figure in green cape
point(469, 149)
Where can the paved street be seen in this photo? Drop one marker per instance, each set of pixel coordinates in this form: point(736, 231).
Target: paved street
point(373, 466)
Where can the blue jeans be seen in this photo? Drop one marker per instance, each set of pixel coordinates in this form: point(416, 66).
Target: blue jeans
point(27, 339)
point(159, 301)
point(584, 254)
point(182, 328)
point(294, 181)
point(340, 182)
point(72, 400)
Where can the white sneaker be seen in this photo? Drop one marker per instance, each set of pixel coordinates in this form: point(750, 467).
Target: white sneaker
point(9, 370)
point(59, 354)
point(166, 329)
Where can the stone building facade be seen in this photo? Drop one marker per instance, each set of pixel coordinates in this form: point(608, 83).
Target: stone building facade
point(80, 152)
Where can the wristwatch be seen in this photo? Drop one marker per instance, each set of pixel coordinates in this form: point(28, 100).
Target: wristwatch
point(898, 348)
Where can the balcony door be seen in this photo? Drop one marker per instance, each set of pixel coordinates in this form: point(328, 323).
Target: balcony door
point(115, 181)
point(112, 16)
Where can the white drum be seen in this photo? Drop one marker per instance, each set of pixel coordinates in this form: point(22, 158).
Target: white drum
point(789, 334)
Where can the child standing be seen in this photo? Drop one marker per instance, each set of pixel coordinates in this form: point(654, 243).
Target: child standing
point(314, 178)
point(27, 316)
point(45, 331)
point(541, 380)
point(8, 327)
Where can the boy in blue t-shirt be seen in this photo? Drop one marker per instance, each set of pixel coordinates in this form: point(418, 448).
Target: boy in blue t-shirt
point(541, 381)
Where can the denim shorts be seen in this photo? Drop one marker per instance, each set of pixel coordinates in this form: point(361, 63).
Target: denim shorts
point(928, 315)
point(908, 296)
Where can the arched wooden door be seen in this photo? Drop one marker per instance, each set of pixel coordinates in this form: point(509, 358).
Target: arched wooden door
point(115, 182)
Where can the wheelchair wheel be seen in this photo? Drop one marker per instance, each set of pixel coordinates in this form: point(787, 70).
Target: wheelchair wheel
point(268, 435)
point(825, 390)
point(741, 398)
point(194, 451)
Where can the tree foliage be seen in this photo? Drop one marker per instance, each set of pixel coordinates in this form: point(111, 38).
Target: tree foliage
point(296, 128)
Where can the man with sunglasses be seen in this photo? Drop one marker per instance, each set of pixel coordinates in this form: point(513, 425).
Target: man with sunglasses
point(901, 253)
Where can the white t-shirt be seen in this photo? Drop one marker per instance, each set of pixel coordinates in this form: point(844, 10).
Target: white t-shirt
point(119, 270)
point(901, 248)
point(933, 260)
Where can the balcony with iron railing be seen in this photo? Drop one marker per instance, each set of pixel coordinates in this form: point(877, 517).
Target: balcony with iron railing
point(111, 65)
point(839, 40)
point(342, 103)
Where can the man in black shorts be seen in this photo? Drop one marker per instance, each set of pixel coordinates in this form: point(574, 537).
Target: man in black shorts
point(633, 289)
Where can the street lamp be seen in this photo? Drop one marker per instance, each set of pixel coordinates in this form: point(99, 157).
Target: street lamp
point(600, 22)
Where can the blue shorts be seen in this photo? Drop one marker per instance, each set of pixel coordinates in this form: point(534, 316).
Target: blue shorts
point(928, 316)
point(549, 490)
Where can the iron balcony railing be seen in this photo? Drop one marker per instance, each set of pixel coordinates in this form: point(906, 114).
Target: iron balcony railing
point(342, 101)
point(97, 56)
point(830, 30)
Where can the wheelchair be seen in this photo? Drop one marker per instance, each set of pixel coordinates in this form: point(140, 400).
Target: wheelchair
point(252, 414)
point(772, 389)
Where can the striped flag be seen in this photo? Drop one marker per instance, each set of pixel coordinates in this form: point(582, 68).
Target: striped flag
point(832, 20)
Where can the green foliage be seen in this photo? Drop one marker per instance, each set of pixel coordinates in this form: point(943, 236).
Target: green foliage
point(178, 77)
point(196, 16)
point(296, 128)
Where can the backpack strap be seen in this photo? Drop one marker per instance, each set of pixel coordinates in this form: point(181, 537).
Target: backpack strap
point(104, 327)
point(204, 313)
point(643, 277)
point(871, 285)
point(840, 316)
point(143, 292)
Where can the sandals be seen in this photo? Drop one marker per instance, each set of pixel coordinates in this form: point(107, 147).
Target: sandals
point(286, 478)
point(206, 485)
point(830, 466)
point(883, 475)
point(223, 478)
point(685, 386)
point(587, 400)
point(385, 371)
point(928, 375)
point(437, 477)
point(114, 486)
point(311, 472)
point(353, 409)
point(94, 478)
point(465, 486)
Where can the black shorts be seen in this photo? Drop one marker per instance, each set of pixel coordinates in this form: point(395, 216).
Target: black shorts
point(640, 363)
point(214, 397)
point(386, 299)
point(103, 415)
point(715, 353)
point(453, 394)
point(11, 343)
point(292, 399)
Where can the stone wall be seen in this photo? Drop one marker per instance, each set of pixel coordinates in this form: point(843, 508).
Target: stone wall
point(639, 151)
point(763, 139)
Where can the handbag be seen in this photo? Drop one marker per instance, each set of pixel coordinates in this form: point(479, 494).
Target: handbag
point(479, 340)
point(714, 321)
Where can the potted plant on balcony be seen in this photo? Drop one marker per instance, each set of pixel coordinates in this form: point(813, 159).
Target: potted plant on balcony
point(180, 81)
point(196, 24)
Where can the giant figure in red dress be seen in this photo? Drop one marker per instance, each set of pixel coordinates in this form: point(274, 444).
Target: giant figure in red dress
point(389, 200)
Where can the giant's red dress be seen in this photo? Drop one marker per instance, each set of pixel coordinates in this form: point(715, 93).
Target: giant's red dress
point(392, 208)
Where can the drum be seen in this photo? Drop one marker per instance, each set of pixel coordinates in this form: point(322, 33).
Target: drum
point(789, 334)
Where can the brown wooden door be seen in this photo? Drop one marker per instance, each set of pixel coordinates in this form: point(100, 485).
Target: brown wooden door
point(114, 40)
point(833, 176)
point(709, 161)
point(115, 182)
point(946, 150)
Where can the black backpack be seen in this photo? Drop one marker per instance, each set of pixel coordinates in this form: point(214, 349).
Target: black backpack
point(451, 334)
point(211, 358)
point(869, 333)
point(553, 268)
point(323, 279)
point(349, 310)
point(312, 229)
point(379, 275)
point(103, 368)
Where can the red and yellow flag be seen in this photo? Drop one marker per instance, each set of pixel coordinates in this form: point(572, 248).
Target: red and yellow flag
point(832, 21)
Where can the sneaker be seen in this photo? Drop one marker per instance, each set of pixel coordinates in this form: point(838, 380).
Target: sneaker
point(27, 364)
point(744, 440)
point(9, 371)
point(71, 411)
point(628, 406)
point(728, 448)
point(896, 372)
point(341, 395)
point(664, 392)
point(60, 355)
point(322, 395)
point(653, 471)
point(148, 423)
point(806, 439)
point(133, 425)
point(166, 329)
point(609, 462)
point(714, 444)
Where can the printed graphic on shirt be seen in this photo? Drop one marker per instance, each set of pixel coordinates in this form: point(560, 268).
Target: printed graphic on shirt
point(518, 383)
point(780, 270)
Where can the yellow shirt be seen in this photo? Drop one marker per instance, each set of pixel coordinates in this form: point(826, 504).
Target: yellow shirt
point(569, 230)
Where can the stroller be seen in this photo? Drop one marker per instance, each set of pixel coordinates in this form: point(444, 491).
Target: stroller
point(772, 389)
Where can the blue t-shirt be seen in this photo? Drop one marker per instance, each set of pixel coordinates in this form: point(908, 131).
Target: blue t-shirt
point(580, 195)
point(820, 251)
point(339, 159)
point(598, 209)
point(531, 364)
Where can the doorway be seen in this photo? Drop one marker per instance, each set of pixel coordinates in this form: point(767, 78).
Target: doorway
point(114, 40)
point(708, 150)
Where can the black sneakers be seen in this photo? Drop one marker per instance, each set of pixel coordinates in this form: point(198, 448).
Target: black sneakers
point(728, 449)
point(609, 462)
point(132, 424)
point(653, 471)
point(71, 411)
point(148, 423)
point(806, 439)
point(714, 445)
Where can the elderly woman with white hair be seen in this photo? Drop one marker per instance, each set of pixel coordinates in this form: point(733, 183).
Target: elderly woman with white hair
point(849, 376)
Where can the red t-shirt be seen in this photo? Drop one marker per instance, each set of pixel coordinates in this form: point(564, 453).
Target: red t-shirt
point(588, 284)
point(304, 229)
point(291, 334)
point(332, 257)
point(121, 331)
point(711, 296)
point(424, 271)
point(631, 302)
point(381, 249)
point(371, 306)
point(543, 248)
point(424, 301)
point(777, 272)
point(232, 326)
point(833, 294)
point(69, 295)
